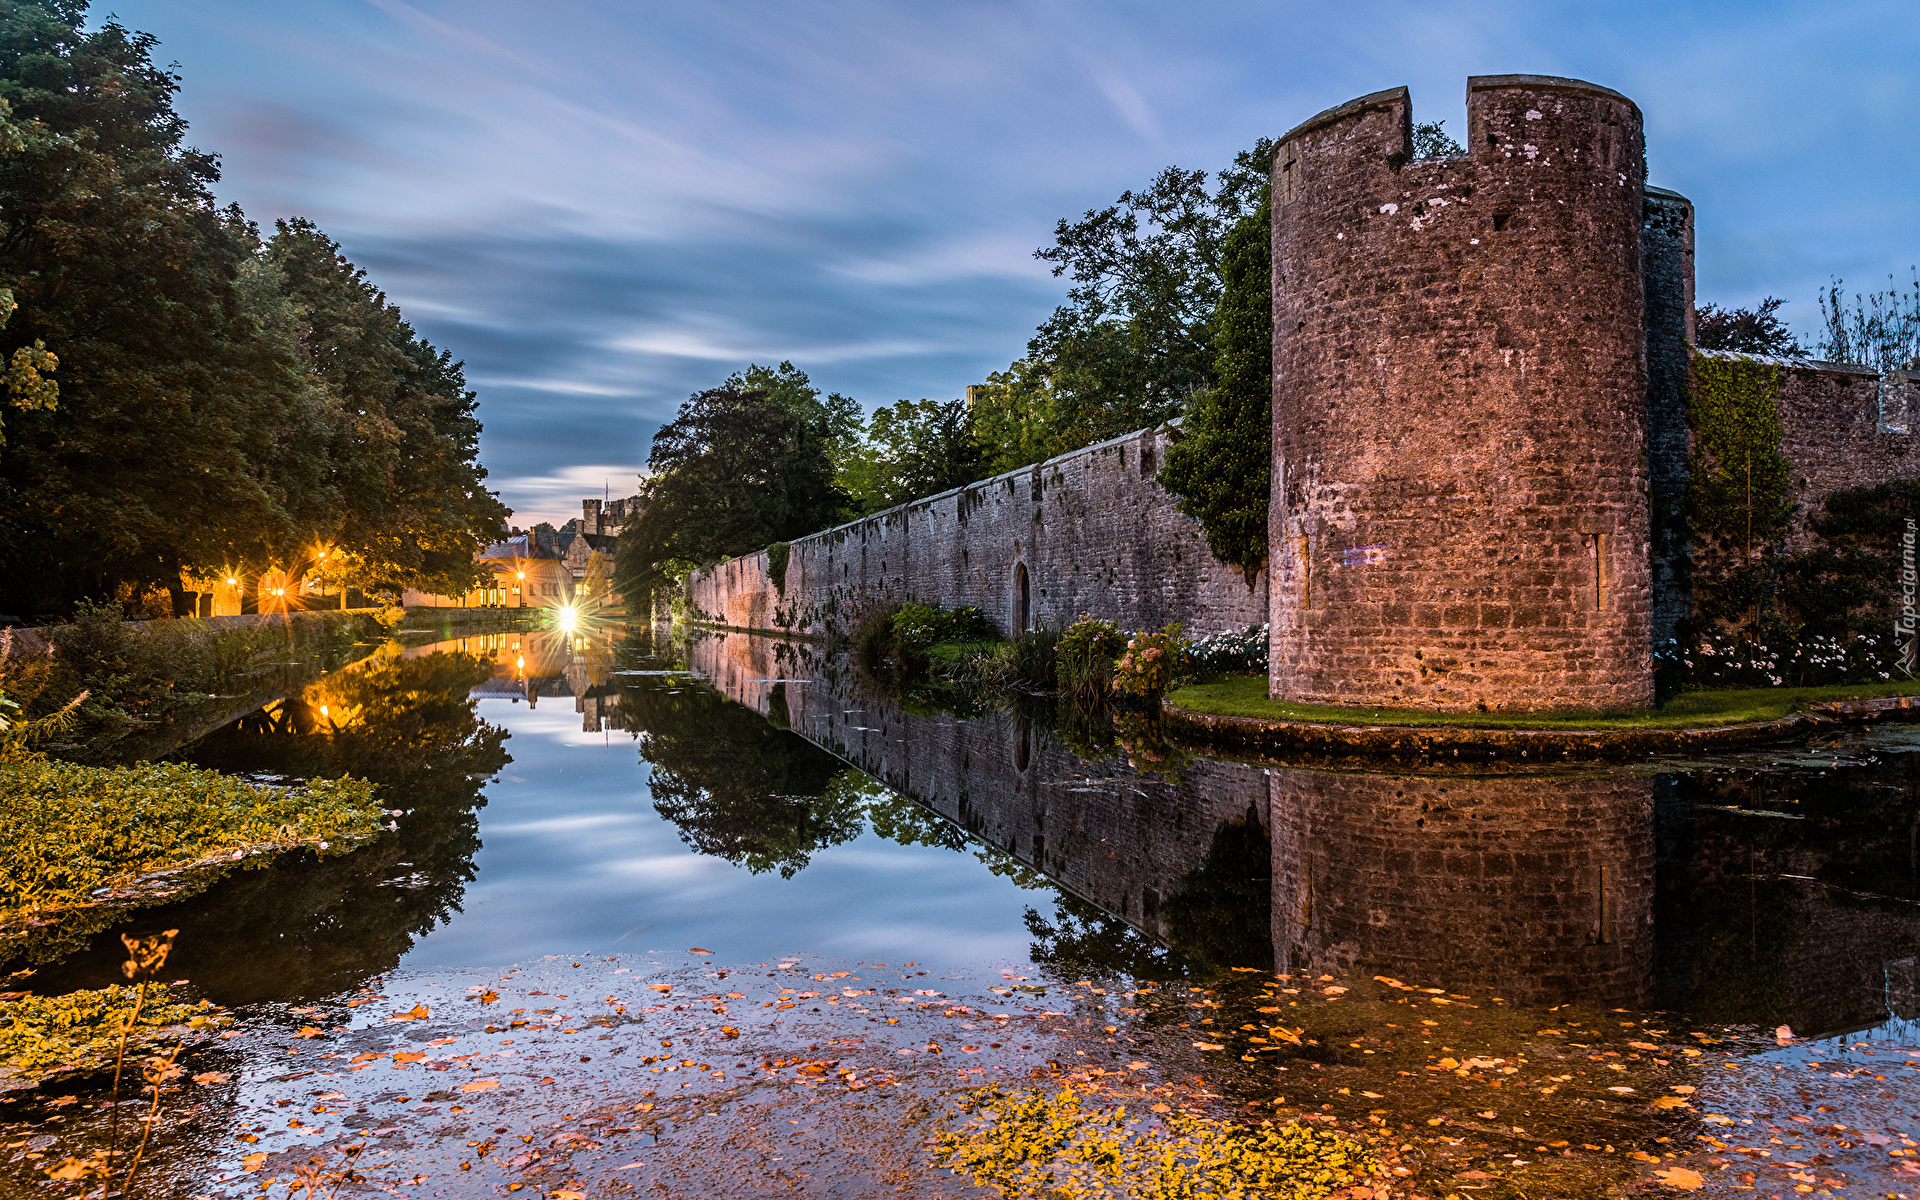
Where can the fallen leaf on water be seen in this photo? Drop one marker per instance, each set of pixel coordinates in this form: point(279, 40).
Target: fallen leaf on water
point(697, 950)
point(480, 1085)
point(209, 1078)
point(1621, 1090)
point(1783, 1035)
point(1162, 1108)
point(308, 1031)
point(253, 1162)
point(660, 987)
point(1669, 1102)
point(1487, 1116)
point(1643, 1156)
point(73, 1168)
point(489, 997)
point(1267, 1010)
point(730, 1031)
point(1643, 1045)
point(417, 1013)
point(409, 1056)
point(1680, 1177)
point(1207, 1046)
point(1685, 1089)
point(643, 1108)
point(1136, 1066)
point(1373, 1095)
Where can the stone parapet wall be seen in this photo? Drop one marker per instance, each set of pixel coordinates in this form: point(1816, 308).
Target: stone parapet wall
point(1087, 532)
point(1844, 426)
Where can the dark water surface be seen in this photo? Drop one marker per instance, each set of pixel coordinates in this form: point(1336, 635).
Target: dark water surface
point(1497, 972)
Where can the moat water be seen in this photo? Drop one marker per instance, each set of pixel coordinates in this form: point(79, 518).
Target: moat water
point(1523, 983)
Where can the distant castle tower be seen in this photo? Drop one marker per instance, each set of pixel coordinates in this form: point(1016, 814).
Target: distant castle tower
point(1460, 514)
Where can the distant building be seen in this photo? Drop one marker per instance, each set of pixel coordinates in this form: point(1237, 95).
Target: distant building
point(526, 574)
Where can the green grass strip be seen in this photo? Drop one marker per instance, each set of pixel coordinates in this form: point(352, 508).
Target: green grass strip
point(1246, 696)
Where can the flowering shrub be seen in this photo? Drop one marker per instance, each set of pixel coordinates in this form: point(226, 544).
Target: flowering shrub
point(1084, 657)
point(1776, 659)
point(1151, 662)
point(1242, 653)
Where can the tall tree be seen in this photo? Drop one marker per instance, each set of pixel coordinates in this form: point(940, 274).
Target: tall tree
point(215, 402)
point(1753, 330)
point(123, 268)
point(914, 448)
point(734, 471)
point(403, 457)
point(1134, 342)
point(1222, 470)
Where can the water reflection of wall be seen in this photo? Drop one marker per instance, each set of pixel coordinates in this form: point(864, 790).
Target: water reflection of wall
point(1538, 887)
point(1770, 896)
point(1098, 829)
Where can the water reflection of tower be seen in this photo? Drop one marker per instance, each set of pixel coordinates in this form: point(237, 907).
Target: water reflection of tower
point(1538, 887)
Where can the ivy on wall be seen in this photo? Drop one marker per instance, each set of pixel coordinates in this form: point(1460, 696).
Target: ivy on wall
point(1738, 486)
point(777, 554)
point(1221, 471)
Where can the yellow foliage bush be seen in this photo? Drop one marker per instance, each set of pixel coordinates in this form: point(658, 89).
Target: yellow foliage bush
point(67, 830)
point(1032, 1143)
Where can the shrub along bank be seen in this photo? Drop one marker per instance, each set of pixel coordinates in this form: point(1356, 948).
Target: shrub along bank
point(76, 837)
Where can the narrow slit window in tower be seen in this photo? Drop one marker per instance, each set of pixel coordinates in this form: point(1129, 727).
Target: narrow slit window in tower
point(1599, 571)
point(1306, 892)
point(1306, 576)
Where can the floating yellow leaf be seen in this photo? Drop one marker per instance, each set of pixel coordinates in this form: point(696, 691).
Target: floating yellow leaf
point(408, 1056)
point(1207, 1046)
point(730, 1031)
point(1643, 1045)
point(480, 1085)
point(417, 1013)
point(1669, 1102)
point(1680, 1177)
point(253, 1162)
point(73, 1168)
point(1487, 1116)
point(308, 1031)
point(489, 997)
point(209, 1078)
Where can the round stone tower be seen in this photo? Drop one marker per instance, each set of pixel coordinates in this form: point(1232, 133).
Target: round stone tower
point(1459, 515)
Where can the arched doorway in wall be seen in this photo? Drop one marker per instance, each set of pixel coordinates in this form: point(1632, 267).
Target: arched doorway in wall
point(1022, 600)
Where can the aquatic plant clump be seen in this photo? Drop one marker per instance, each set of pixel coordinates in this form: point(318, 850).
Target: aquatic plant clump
point(68, 830)
point(1033, 1143)
point(81, 1030)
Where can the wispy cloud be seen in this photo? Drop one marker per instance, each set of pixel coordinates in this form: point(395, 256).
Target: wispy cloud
point(605, 208)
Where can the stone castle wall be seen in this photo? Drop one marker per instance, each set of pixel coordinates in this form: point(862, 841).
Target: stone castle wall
point(1460, 497)
point(1088, 532)
point(1844, 427)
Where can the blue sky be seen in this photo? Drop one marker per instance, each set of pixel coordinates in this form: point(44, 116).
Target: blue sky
point(603, 207)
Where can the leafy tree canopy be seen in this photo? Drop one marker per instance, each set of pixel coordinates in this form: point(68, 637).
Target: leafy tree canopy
point(178, 407)
point(1134, 342)
point(914, 448)
point(1753, 330)
point(735, 470)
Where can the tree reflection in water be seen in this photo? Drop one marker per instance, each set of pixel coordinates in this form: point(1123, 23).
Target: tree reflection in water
point(312, 927)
